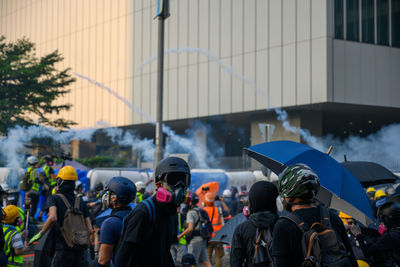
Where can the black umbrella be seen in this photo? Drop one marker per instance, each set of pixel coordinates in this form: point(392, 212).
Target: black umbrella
point(370, 173)
point(225, 234)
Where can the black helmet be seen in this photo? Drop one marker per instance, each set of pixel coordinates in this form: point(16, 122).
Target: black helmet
point(195, 199)
point(172, 165)
point(389, 214)
point(123, 187)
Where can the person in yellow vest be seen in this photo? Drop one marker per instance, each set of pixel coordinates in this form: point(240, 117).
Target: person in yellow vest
point(13, 246)
point(217, 220)
point(141, 193)
point(49, 172)
point(33, 193)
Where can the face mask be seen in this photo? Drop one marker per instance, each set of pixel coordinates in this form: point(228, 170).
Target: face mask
point(177, 195)
point(246, 211)
point(282, 205)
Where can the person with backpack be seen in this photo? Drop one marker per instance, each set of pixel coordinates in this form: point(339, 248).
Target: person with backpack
point(70, 216)
point(199, 230)
point(120, 191)
point(309, 234)
point(150, 229)
point(216, 216)
point(252, 239)
point(385, 250)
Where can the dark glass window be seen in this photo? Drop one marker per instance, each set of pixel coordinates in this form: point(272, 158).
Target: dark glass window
point(367, 9)
point(352, 20)
point(382, 10)
point(396, 23)
point(339, 34)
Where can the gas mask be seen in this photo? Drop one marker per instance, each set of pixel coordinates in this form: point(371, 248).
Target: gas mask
point(282, 205)
point(176, 195)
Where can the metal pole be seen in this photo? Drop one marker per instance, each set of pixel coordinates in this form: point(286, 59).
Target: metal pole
point(158, 153)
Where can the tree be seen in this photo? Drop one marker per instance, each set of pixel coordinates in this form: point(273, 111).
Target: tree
point(29, 86)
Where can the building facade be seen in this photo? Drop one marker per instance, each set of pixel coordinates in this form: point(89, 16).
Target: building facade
point(334, 65)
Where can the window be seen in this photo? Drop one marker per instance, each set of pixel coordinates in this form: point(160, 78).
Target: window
point(352, 20)
point(396, 23)
point(382, 10)
point(367, 9)
point(339, 33)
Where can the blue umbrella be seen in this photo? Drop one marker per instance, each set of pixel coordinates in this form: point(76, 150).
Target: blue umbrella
point(341, 190)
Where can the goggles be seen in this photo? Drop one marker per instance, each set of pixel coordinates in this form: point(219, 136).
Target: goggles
point(175, 179)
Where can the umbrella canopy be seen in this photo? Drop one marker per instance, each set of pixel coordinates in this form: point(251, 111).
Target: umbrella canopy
point(370, 173)
point(341, 191)
point(225, 234)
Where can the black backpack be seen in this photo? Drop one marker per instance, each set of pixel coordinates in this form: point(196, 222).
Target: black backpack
point(321, 245)
point(262, 248)
point(206, 228)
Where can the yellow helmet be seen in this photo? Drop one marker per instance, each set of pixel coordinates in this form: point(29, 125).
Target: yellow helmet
point(362, 263)
point(379, 194)
point(343, 216)
point(371, 189)
point(68, 173)
point(11, 213)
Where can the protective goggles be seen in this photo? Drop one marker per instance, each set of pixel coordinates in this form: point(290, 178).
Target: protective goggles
point(175, 179)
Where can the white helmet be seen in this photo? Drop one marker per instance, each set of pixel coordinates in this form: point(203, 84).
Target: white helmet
point(32, 160)
point(227, 193)
point(140, 185)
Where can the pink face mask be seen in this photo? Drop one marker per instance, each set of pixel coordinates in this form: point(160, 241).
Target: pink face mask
point(246, 211)
point(382, 229)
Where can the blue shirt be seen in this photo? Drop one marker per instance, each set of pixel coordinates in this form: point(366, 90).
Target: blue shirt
point(111, 228)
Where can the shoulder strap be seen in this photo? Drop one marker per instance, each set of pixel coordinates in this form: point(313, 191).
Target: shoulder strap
point(324, 215)
point(151, 209)
point(64, 199)
point(77, 202)
point(212, 216)
point(297, 220)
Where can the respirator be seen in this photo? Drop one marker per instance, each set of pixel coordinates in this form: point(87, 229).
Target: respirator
point(246, 212)
point(176, 195)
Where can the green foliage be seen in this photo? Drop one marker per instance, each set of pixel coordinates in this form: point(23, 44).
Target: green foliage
point(29, 85)
point(103, 161)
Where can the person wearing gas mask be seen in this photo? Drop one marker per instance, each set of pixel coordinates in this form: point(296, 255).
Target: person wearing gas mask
point(120, 191)
point(298, 186)
point(385, 250)
point(151, 228)
point(256, 231)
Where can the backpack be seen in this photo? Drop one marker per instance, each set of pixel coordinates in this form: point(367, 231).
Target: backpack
point(262, 249)
point(25, 183)
point(74, 230)
point(206, 228)
point(321, 245)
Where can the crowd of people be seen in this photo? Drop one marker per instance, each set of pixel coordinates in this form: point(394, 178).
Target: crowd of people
point(282, 225)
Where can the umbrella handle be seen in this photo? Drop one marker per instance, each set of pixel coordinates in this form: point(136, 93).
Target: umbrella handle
point(329, 150)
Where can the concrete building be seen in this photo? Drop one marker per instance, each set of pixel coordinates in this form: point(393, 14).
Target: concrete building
point(334, 65)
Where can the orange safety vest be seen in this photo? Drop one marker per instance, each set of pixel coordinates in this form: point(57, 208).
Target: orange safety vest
point(215, 218)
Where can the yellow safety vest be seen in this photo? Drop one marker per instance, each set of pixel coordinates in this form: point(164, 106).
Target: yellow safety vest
point(181, 229)
point(139, 197)
point(22, 217)
point(13, 260)
point(32, 177)
point(52, 181)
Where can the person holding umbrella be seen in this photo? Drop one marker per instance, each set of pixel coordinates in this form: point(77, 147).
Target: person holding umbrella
point(262, 217)
point(298, 186)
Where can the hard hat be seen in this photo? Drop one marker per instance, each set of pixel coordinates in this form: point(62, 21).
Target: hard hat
point(11, 213)
point(362, 263)
point(140, 185)
point(78, 184)
point(227, 193)
point(371, 189)
point(343, 215)
point(32, 160)
point(68, 173)
point(379, 194)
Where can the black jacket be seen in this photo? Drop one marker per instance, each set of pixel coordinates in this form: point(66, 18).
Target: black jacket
point(244, 237)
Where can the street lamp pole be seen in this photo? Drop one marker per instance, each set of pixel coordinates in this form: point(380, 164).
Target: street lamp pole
point(162, 14)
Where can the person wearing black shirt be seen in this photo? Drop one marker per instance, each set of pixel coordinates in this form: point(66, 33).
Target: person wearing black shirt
point(151, 228)
point(385, 249)
point(298, 185)
point(64, 256)
point(263, 215)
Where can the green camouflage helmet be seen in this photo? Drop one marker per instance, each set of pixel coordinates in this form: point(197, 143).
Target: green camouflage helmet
point(298, 180)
